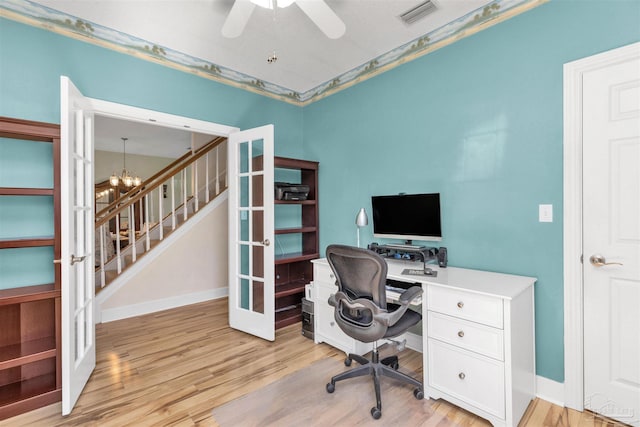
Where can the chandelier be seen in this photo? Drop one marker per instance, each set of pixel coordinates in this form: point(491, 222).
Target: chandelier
point(125, 177)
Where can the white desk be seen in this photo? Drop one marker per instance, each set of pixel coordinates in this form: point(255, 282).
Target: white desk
point(477, 339)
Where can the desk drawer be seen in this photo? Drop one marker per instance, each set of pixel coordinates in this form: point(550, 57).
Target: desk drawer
point(322, 273)
point(326, 326)
point(468, 335)
point(467, 376)
point(466, 305)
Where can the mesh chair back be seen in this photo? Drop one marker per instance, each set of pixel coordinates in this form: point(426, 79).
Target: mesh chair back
point(360, 273)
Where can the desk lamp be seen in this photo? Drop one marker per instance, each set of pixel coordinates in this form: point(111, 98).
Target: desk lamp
point(361, 221)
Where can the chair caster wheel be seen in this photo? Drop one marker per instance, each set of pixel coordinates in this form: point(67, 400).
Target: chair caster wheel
point(418, 394)
point(331, 388)
point(347, 361)
point(376, 413)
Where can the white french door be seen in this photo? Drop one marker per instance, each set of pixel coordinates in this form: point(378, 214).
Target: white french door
point(251, 253)
point(611, 215)
point(77, 225)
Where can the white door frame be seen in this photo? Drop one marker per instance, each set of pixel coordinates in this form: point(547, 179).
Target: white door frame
point(572, 218)
point(136, 114)
point(129, 113)
point(114, 110)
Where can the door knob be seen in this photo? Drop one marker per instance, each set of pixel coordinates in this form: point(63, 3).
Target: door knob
point(266, 242)
point(598, 260)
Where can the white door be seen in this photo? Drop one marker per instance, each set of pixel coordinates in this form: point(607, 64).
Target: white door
point(611, 215)
point(77, 224)
point(251, 256)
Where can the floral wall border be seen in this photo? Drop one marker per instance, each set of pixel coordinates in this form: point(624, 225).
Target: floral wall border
point(33, 14)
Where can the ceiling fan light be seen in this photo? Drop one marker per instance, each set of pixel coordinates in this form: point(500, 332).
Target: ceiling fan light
point(270, 4)
point(285, 3)
point(267, 4)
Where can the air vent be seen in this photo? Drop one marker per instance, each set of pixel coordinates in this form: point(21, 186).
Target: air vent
point(418, 12)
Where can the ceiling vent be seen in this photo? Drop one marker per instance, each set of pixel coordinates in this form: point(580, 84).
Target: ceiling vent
point(418, 12)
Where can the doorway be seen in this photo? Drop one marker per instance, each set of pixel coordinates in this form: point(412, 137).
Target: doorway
point(613, 200)
point(77, 149)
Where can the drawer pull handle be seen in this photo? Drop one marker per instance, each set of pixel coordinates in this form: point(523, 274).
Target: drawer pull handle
point(461, 375)
point(460, 304)
point(461, 334)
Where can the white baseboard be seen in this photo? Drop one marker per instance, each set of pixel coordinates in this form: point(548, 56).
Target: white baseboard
point(124, 312)
point(549, 390)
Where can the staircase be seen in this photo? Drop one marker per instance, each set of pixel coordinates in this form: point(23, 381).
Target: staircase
point(133, 225)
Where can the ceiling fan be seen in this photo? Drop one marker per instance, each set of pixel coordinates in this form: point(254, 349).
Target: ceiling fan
point(317, 10)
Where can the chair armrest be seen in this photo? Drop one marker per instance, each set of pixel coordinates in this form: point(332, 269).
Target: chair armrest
point(405, 299)
point(379, 315)
point(332, 300)
point(409, 295)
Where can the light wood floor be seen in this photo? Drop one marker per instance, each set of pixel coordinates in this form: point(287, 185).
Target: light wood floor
point(173, 367)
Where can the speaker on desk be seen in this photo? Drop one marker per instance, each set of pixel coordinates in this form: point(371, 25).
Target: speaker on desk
point(442, 257)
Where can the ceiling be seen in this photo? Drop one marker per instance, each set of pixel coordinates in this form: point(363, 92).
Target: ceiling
point(186, 34)
point(144, 139)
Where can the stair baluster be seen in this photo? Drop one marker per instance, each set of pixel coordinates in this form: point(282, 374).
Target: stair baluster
point(128, 249)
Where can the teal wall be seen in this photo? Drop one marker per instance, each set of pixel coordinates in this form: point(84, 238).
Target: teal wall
point(31, 63)
point(479, 121)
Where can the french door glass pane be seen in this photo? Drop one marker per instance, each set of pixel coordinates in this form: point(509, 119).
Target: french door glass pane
point(258, 261)
point(244, 191)
point(258, 226)
point(244, 260)
point(244, 293)
point(257, 196)
point(244, 157)
point(257, 150)
point(258, 296)
point(244, 226)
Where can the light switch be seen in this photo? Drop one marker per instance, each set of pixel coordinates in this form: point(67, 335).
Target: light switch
point(545, 213)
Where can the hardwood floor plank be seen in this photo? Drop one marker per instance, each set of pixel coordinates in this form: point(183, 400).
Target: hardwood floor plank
point(173, 367)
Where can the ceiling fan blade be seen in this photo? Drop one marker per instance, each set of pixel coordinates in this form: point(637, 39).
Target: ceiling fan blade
point(237, 18)
point(324, 17)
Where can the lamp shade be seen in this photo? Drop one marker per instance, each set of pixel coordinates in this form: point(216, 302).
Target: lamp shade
point(361, 218)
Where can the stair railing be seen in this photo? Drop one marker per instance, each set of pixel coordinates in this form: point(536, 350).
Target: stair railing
point(201, 177)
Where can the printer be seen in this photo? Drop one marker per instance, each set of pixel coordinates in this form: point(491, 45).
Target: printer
point(288, 191)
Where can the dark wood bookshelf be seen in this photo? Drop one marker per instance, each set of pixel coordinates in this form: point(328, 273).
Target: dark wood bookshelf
point(294, 270)
point(30, 341)
point(27, 242)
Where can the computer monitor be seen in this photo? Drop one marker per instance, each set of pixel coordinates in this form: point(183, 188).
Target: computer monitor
point(407, 216)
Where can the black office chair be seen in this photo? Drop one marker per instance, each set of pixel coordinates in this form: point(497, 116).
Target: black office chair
point(362, 312)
